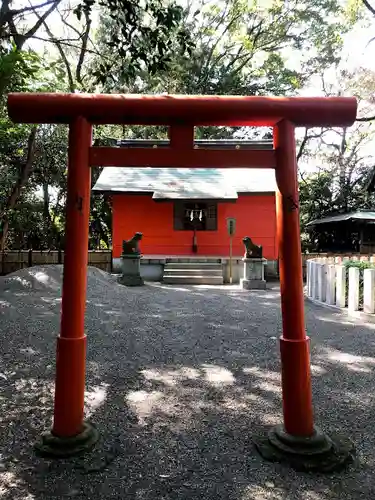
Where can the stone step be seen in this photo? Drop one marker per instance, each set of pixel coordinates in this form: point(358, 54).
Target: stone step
point(192, 272)
point(187, 272)
point(194, 260)
point(193, 280)
point(193, 265)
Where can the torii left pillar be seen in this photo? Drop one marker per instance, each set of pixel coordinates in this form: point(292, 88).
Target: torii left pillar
point(70, 435)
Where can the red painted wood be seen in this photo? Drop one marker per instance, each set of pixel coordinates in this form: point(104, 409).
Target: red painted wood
point(181, 136)
point(69, 386)
point(296, 386)
point(255, 216)
point(288, 233)
point(182, 158)
point(295, 360)
point(181, 109)
point(71, 345)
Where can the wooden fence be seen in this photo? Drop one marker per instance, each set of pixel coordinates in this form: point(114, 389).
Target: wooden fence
point(348, 256)
point(330, 281)
point(14, 260)
point(18, 259)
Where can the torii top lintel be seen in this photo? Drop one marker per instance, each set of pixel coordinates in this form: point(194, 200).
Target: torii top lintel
point(181, 109)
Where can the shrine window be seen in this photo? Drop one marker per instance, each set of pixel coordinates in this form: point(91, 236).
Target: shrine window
point(201, 216)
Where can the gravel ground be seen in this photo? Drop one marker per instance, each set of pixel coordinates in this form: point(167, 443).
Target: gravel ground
point(179, 381)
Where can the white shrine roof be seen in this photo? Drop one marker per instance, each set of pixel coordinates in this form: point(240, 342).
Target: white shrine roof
point(186, 183)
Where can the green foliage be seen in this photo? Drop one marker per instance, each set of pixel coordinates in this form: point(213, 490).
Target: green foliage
point(28, 216)
point(343, 161)
point(17, 69)
point(315, 196)
point(361, 265)
point(143, 35)
point(12, 154)
point(27, 227)
point(321, 197)
point(100, 222)
point(242, 48)
point(354, 10)
point(206, 47)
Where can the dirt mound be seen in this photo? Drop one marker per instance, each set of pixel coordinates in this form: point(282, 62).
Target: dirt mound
point(45, 278)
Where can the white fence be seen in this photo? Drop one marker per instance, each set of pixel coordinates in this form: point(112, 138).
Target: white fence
point(330, 281)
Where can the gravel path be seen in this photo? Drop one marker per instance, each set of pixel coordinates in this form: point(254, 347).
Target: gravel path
point(179, 380)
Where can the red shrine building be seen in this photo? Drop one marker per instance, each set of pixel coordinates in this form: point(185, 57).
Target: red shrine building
point(183, 213)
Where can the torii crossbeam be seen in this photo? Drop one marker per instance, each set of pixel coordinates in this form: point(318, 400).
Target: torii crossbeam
point(297, 439)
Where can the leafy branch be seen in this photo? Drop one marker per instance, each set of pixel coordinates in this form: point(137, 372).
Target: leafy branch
point(369, 6)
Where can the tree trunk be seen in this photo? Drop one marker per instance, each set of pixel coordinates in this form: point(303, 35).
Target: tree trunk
point(3, 232)
point(342, 170)
point(24, 175)
point(46, 213)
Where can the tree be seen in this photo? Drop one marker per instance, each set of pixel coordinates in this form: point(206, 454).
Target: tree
point(242, 48)
point(49, 175)
point(370, 9)
point(342, 158)
point(246, 48)
point(17, 143)
point(22, 164)
point(11, 21)
point(143, 33)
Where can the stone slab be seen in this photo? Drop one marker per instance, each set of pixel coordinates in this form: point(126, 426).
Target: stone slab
point(253, 284)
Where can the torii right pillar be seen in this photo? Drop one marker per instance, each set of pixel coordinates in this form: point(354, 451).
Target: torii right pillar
point(297, 441)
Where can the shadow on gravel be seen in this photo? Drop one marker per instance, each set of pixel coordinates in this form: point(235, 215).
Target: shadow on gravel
point(180, 380)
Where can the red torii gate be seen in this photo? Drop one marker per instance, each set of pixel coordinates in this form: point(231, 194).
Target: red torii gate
point(298, 439)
